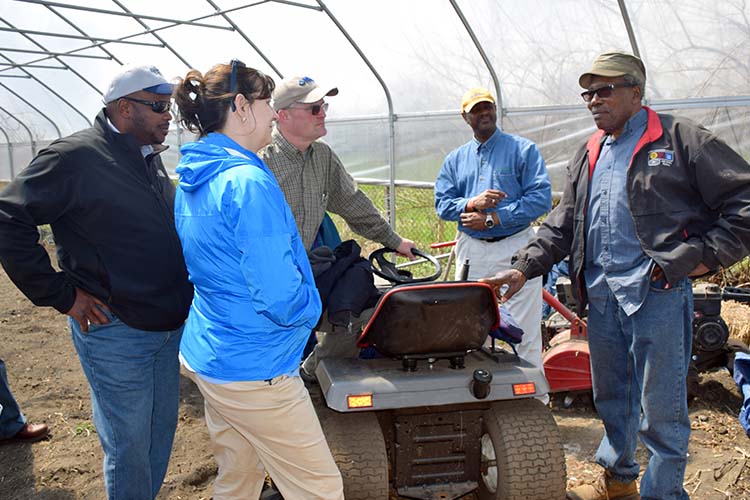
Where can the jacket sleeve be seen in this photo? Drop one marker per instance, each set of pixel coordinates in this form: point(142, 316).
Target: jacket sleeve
point(40, 194)
point(348, 201)
point(536, 197)
point(274, 263)
point(723, 179)
point(554, 238)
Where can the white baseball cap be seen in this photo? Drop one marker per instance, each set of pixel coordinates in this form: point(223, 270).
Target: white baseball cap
point(135, 78)
point(301, 89)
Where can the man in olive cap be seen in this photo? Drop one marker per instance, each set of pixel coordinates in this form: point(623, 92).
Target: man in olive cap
point(650, 201)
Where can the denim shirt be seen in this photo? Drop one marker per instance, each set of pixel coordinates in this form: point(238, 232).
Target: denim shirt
point(614, 257)
point(506, 162)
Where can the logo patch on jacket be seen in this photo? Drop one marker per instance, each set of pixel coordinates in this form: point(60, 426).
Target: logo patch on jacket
point(658, 157)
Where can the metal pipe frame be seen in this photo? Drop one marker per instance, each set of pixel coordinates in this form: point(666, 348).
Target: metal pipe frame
point(77, 37)
point(139, 20)
point(79, 30)
point(245, 37)
point(127, 13)
point(391, 114)
point(37, 66)
point(50, 89)
point(52, 55)
point(480, 49)
point(15, 76)
point(100, 45)
point(629, 27)
point(57, 129)
point(25, 127)
point(76, 73)
point(11, 169)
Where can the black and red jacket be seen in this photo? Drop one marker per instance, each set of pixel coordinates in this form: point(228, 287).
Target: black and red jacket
point(689, 195)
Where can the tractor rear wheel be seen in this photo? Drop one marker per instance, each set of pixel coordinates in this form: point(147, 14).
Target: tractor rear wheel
point(358, 446)
point(522, 453)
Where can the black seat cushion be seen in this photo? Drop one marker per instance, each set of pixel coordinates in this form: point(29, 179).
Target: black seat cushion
point(432, 319)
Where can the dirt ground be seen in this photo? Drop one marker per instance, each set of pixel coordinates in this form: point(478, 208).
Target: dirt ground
point(47, 380)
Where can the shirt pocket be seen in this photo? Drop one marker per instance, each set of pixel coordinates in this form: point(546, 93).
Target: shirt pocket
point(506, 181)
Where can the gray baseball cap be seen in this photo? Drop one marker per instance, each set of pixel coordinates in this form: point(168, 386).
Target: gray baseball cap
point(302, 89)
point(134, 78)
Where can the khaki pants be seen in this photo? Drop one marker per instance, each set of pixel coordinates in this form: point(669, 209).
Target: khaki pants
point(259, 426)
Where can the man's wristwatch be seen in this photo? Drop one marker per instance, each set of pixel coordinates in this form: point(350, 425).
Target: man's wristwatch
point(489, 221)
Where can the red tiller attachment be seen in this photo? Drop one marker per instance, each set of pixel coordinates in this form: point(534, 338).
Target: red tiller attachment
point(567, 361)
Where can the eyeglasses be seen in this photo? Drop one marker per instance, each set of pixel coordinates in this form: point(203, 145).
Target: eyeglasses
point(156, 106)
point(314, 109)
point(605, 91)
point(233, 81)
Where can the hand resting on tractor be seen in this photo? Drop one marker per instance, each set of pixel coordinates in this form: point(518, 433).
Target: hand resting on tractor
point(513, 278)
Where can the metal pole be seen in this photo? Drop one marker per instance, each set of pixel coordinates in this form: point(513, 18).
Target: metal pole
point(49, 89)
point(127, 13)
point(629, 27)
point(247, 39)
point(78, 37)
point(391, 117)
point(486, 60)
point(74, 52)
point(10, 153)
point(164, 42)
point(52, 55)
point(28, 130)
point(57, 129)
point(79, 30)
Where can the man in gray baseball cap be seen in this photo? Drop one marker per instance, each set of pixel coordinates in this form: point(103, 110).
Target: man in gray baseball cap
point(650, 201)
point(123, 283)
point(314, 181)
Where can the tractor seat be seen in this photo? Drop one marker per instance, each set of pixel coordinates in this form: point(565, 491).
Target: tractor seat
point(435, 320)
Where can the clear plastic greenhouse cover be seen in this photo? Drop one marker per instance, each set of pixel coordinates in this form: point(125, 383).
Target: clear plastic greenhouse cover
point(401, 66)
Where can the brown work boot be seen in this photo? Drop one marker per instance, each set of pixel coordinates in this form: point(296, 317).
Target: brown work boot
point(605, 488)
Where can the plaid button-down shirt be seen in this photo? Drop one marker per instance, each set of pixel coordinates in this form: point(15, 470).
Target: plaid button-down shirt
point(314, 182)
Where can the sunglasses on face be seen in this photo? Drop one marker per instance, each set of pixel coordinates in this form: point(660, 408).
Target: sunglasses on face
point(605, 91)
point(314, 109)
point(156, 106)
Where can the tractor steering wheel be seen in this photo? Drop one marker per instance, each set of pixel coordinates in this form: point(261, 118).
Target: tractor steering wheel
point(387, 270)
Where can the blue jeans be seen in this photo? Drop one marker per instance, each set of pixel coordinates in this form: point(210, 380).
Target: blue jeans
point(11, 418)
point(639, 364)
point(134, 377)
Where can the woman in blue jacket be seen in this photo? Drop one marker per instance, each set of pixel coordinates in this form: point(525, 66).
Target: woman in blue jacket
point(255, 298)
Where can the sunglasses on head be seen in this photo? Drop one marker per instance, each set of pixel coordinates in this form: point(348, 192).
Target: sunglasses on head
point(314, 109)
point(156, 106)
point(233, 81)
point(605, 91)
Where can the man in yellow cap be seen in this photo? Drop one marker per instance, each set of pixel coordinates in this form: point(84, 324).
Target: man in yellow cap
point(495, 186)
point(650, 200)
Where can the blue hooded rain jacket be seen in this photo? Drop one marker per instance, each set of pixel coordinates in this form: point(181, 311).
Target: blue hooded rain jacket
point(255, 299)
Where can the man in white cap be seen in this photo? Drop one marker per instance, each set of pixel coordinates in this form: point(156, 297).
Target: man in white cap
point(122, 283)
point(495, 186)
point(314, 182)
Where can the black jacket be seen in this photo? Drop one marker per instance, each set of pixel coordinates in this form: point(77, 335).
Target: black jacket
point(112, 215)
point(689, 196)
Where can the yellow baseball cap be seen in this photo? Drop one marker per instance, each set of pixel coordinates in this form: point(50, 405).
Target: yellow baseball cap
point(475, 96)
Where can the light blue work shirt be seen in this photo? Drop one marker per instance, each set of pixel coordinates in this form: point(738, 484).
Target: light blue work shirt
point(506, 162)
point(614, 257)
